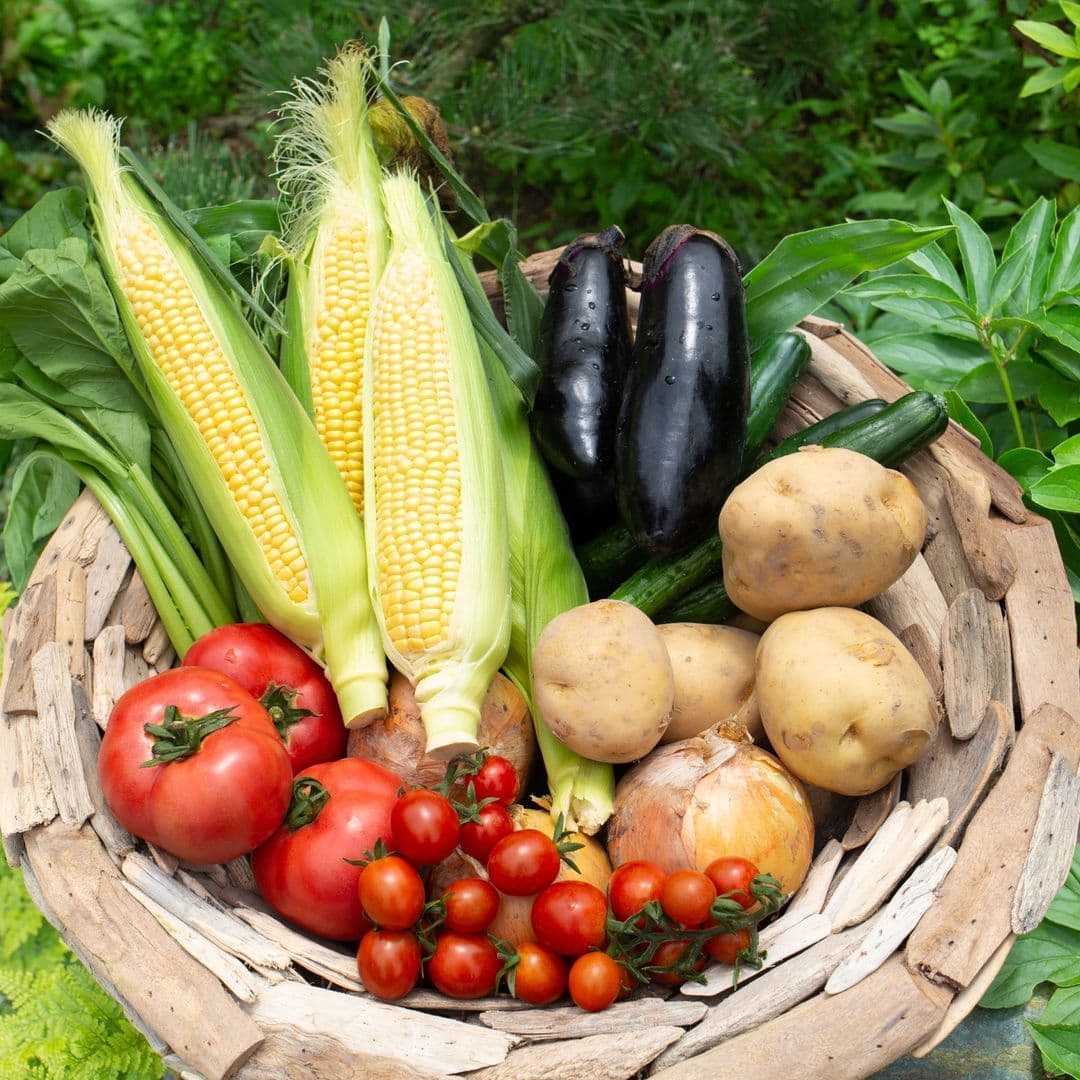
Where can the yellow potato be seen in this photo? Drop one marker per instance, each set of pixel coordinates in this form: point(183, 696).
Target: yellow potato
point(844, 704)
point(714, 678)
point(818, 528)
point(602, 681)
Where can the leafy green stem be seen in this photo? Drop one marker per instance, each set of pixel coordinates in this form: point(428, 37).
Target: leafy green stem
point(1001, 359)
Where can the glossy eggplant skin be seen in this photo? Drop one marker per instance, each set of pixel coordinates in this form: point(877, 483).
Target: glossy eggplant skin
point(583, 352)
point(682, 430)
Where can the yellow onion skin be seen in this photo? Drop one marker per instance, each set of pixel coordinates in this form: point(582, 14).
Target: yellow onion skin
point(716, 794)
point(397, 742)
point(513, 923)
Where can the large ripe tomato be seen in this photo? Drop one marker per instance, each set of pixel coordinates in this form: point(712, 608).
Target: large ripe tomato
point(302, 869)
point(570, 917)
point(221, 779)
point(290, 684)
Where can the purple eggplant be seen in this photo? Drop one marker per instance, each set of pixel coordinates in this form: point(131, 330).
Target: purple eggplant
point(682, 429)
point(583, 351)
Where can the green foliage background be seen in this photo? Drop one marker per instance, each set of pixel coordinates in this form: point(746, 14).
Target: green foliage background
point(754, 119)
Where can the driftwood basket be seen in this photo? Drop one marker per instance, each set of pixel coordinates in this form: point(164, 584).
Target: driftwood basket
point(908, 912)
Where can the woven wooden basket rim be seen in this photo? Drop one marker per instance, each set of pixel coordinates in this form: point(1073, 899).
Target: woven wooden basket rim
point(214, 979)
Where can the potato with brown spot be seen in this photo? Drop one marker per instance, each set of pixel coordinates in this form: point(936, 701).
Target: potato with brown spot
point(844, 704)
point(822, 527)
point(602, 681)
point(714, 678)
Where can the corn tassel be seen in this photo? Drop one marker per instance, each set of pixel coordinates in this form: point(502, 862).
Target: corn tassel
point(433, 489)
point(266, 483)
point(336, 236)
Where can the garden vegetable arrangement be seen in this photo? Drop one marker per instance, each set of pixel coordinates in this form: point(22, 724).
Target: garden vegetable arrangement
point(363, 477)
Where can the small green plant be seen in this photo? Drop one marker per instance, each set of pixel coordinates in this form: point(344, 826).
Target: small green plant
point(1049, 954)
point(1059, 42)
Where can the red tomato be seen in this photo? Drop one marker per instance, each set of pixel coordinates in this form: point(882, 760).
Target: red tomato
point(669, 954)
point(496, 779)
point(464, 965)
point(303, 872)
point(632, 886)
point(730, 874)
point(540, 975)
point(570, 917)
point(595, 981)
point(389, 962)
point(687, 896)
point(291, 685)
point(227, 788)
point(726, 947)
point(478, 838)
point(424, 826)
point(391, 893)
point(471, 905)
point(523, 863)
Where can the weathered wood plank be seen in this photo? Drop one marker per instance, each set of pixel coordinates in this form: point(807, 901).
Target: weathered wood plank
point(845, 1036)
point(56, 722)
point(105, 578)
point(913, 600)
point(962, 771)
point(959, 934)
point(993, 562)
point(157, 648)
point(1050, 853)
point(598, 1057)
point(110, 649)
point(177, 997)
point(570, 1022)
point(871, 812)
point(896, 920)
point(134, 610)
point(975, 660)
point(70, 622)
point(34, 626)
point(810, 898)
point(374, 1027)
point(919, 644)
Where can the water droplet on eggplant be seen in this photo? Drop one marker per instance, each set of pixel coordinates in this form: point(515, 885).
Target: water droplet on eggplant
point(670, 380)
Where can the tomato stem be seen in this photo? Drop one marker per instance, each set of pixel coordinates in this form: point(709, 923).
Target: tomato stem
point(308, 799)
point(179, 736)
point(280, 703)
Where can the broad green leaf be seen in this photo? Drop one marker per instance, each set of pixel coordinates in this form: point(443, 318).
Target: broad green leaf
point(984, 386)
point(915, 89)
point(1072, 11)
point(42, 492)
point(60, 313)
point(1062, 360)
point(914, 286)
point(1035, 232)
point(927, 361)
point(1058, 158)
point(1014, 268)
point(1049, 37)
point(126, 432)
point(1063, 1006)
point(959, 412)
point(1024, 465)
point(806, 269)
point(1060, 397)
point(1044, 79)
point(933, 261)
point(1060, 490)
point(1064, 273)
point(1062, 323)
point(913, 122)
point(1068, 453)
point(1050, 953)
point(1065, 907)
point(940, 94)
point(54, 217)
point(1059, 1045)
point(942, 318)
point(977, 255)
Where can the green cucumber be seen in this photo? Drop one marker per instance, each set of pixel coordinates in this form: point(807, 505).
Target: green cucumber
point(708, 603)
point(613, 555)
point(812, 435)
point(890, 436)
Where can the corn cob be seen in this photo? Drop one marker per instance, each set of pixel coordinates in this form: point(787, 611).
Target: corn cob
point(267, 484)
point(433, 490)
point(336, 236)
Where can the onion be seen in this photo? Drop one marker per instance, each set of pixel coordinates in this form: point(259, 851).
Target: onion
point(716, 794)
point(397, 743)
point(513, 923)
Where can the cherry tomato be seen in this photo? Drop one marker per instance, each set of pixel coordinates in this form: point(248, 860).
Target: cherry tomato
point(221, 781)
point(570, 917)
point(726, 947)
point(669, 953)
point(633, 885)
point(389, 962)
point(302, 870)
point(292, 687)
point(479, 837)
point(471, 905)
point(731, 874)
point(523, 863)
point(464, 965)
point(595, 981)
point(424, 826)
point(687, 896)
point(391, 893)
point(540, 975)
point(496, 779)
